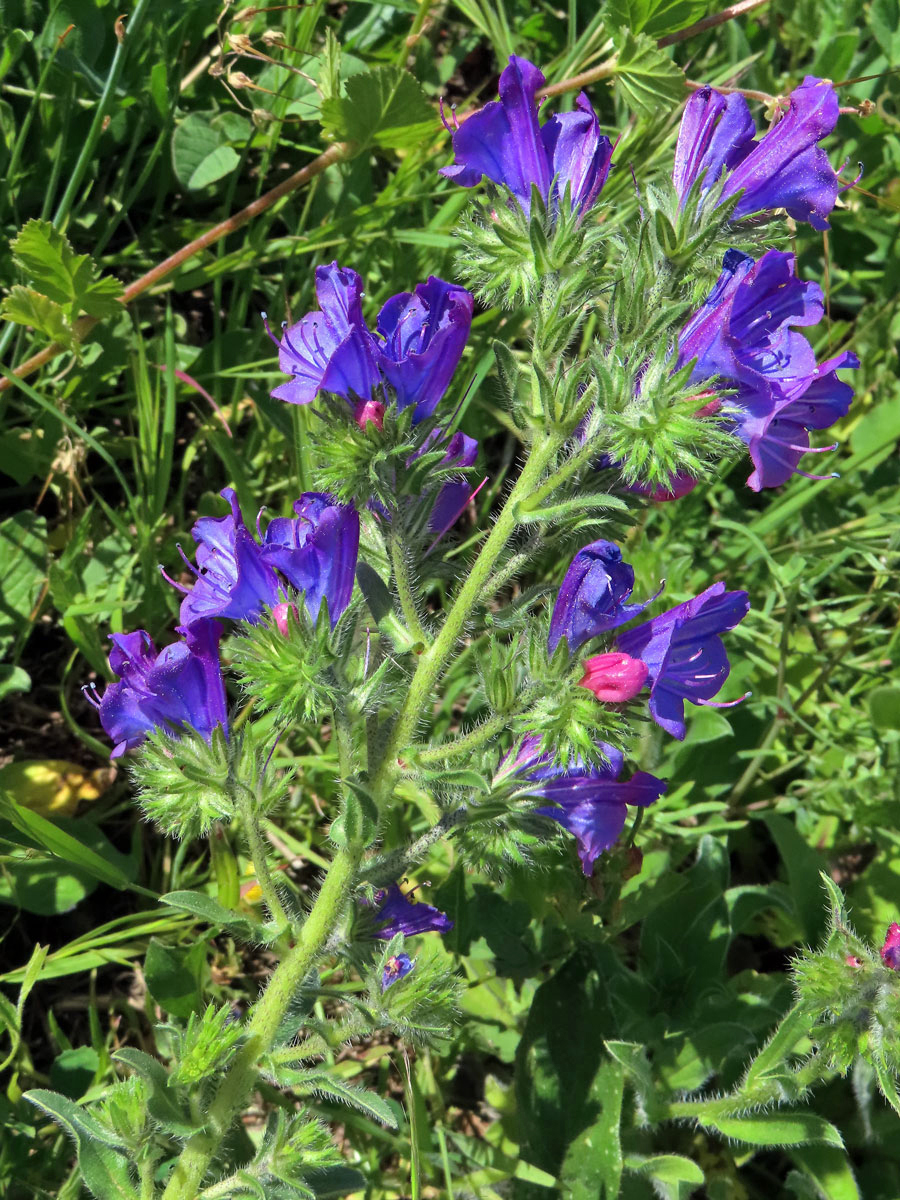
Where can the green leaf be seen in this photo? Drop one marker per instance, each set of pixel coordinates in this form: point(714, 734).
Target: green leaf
point(105, 1172)
point(385, 107)
point(884, 22)
point(162, 1102)
point(884, 707)
point(648, 79)
point(57, 841)
point(25, 306)
point(216, 165)
point(667, 1168)
point(803, 865)
point(173, 977)
point(829, 1169)
point(592, 1167)
point(74, 1119)
point(12, 680)
point(23, 553)
point(656, 18)
point(50, 263)
point(103, 297)
point(208, 910)
point(321, 1083)
point(335, 1181)
point(193, 141)
point(72, 1072)
point(776, 1129)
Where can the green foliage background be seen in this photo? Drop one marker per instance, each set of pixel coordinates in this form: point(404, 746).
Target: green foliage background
point(133, 144)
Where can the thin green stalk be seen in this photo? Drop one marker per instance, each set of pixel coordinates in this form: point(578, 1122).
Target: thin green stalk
point(259, 852)
point(475, 738)
point(84, 158)
point(267, 1015)
point(433, 661)
point(405, 593)
point(580, 458)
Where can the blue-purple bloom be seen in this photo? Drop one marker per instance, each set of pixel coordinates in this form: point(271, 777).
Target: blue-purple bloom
point(784, 169)
point(231, 578)
point(590, 802)
point(238, 577)
point(684, 653)
point(418, 344)
point(316, 551)
point(169, 689)
point(592, 597)
point(397, 913)
point(395, 968)
point(505, 142)
point(742, 337)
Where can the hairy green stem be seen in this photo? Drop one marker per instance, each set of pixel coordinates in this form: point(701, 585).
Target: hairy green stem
point(569, 467)
point(403, 583)
point(267, 1015)
point(467, 742)
point(259, 852)
point(435, 658)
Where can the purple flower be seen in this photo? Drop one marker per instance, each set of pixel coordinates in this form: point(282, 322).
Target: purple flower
point(397, 913)
point(592, 598)
point(784, 169)
point(232, 578)
point(316, 551)
point(591, 803)
point(453, 497)
point(395, 968)
point(742, 336)
point(505, 142)
point(684, 652)
point(237, 577)
point(172, 688)
point(779, 439)
point(419, 342)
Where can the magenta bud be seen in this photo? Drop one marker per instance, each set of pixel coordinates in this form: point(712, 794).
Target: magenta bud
point(890, 951)
point(614, 677)
point(370, 410)
point(281, 614)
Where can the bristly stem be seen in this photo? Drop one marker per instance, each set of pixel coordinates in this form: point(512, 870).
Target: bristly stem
point(266, 1016)
point(483, 732)
point(434, 660)
point(403, 583)
point(259, 851)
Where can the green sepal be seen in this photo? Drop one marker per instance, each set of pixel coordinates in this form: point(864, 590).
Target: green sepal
point(163, 1102)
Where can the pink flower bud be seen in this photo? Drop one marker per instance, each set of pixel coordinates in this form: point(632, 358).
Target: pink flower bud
point(281, 615)
point(371, 410)
point(890, 951)
point(614, 677)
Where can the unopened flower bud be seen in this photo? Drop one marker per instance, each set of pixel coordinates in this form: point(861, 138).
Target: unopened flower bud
point(370, 410)
point(890, 951)
point(282, 614)
point(614, 677)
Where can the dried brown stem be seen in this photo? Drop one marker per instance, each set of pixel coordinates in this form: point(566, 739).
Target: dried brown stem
point(84, 324)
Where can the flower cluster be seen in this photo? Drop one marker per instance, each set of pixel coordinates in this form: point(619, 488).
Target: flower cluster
point(411, 357)
point(743, 339)
point(785, 168)
point(237, 577)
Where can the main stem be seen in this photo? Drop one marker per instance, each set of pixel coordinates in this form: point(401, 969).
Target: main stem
point(267, 1016)
point(433, 661)
point(270, 1011)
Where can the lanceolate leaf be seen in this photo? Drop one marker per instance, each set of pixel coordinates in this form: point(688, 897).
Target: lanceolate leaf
point(322, 1084)
point(776, 1129)
point(74, 1119)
